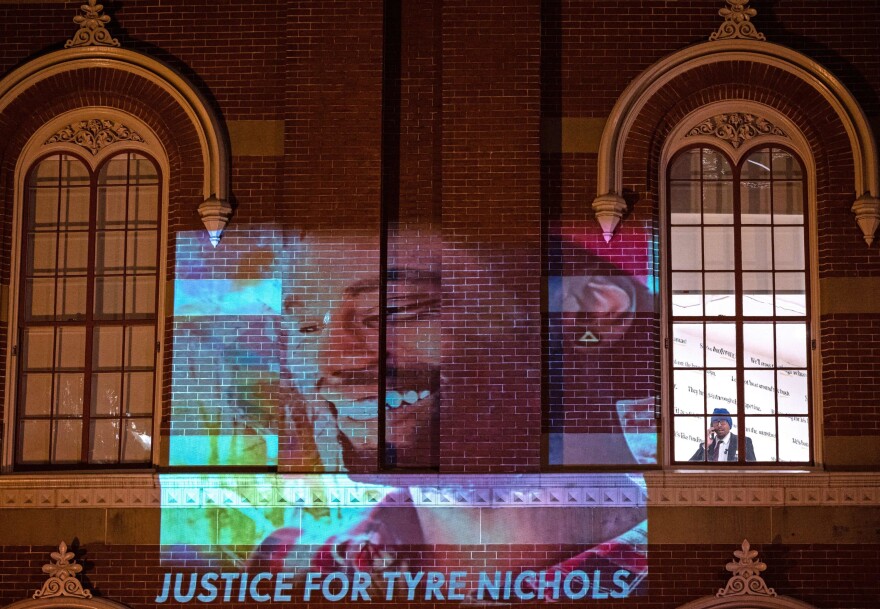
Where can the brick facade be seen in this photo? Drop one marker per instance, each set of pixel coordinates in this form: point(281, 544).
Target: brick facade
point(438, 139)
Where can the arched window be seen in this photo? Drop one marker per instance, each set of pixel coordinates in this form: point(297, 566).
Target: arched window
point(87, 311)
point(738, 307)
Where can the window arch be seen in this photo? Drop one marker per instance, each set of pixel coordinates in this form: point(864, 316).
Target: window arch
point(86, 325)
point(738, 308)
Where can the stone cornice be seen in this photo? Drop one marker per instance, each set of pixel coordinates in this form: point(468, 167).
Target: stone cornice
point(662, 488)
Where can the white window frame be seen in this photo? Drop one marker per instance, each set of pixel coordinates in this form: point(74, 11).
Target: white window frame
point(794, 139)
point(35, 148)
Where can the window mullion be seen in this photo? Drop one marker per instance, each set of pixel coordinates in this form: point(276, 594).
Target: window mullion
point(740, 317)
point(90, 316)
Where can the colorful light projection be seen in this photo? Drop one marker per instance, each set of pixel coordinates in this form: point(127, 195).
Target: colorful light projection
point(419, 538)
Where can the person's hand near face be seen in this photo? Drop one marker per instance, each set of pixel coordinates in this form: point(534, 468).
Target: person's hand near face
point(332, 344)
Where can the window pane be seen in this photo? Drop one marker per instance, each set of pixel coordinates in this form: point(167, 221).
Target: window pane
point(687, 350)
point(757, 297)
point(715, 165)
point(40, 299)
point(791, 345)
point(687, 294)
point(758, 345)
point(793, 392)
point(684, 199)
point(789, 247)
point(108, 297)
point(43, 213)
point(48, 170)
point(791, 297)
point(104, 441)
point(138, 393)
point(759, 390)
point(34, 441)
point(755, 202)
point(718, 202)
point(719, 248)
point(687, 249)
point(41, 253)
point(71, 298)
point(140, 296)
point(140, 346)
point(788, 202)
point(69, 394)
point(785, 166)
point(757, 252)
point(67, 441)
point(114, 171)
point(141, 170)
point(138, 441)
point(39, 348)
point(142, 251)
point(75, 208)
point(689, 392)
point(720, 294)
point(690, 433)
point(721, 391)
point(105, 393)
point(686, 166)
point(70, 352)
point(37, 394)
point(721, 346)
point(109, 252)
point(111, 207)
point(143, 206)
point(762, 431)
point(794, 439)
point(107, 347)
point(73, 172)
point(73, 253)
point(757, 166)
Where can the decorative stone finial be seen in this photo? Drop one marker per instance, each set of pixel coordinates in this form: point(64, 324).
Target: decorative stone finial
point(867, 211)
point(62, 576)
point(92, 30)
point(736, 128)
point(609, 209)
point(746, 578)
point(95, 134)
point(736, 22)
point(215, 216)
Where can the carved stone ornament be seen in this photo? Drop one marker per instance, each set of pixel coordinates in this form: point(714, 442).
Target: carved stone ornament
point(609, 209)
point(92, 30)
point(95, 134)
point(867, 212)
point(215, 216)
point(62, 576)
point(736, 128)
point(746, 578)
point(736, 22)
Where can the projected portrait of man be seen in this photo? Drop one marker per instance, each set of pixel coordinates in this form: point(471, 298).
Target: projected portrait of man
point(330, 350)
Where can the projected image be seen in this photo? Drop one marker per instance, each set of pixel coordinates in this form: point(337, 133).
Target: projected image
point(601, 392)
point(319, 538)
point(224, 362)
point(330, 332)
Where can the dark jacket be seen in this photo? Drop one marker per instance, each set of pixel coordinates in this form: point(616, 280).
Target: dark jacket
point(700, 455)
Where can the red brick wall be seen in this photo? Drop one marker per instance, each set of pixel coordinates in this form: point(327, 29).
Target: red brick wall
point(491, 234)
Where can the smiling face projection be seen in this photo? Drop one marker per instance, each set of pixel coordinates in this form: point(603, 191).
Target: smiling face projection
point(331, 363)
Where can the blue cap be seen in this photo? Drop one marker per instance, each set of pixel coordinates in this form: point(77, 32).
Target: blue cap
point(722, 414)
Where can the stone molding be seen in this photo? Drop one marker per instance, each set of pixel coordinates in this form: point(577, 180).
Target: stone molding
point(647, 85)
point(674, 489)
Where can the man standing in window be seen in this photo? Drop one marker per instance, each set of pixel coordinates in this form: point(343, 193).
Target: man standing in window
point(721, 445)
